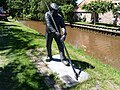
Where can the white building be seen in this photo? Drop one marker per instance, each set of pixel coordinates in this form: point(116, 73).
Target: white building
point(103, 18)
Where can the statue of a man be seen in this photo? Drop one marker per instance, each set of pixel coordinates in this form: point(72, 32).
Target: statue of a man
point(51, 32)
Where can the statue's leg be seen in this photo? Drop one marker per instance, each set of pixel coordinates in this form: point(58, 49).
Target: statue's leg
point(61, 50)
point(60, 47)
point(49, 39)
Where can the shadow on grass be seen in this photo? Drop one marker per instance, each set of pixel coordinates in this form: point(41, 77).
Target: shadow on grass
point(78, 64)
point(82, 65)
point(19, 74)
point(15, 38)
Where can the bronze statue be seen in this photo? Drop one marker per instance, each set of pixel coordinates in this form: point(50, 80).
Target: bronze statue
point(51, 32)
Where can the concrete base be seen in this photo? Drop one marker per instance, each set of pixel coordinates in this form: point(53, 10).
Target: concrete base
point(65, 73)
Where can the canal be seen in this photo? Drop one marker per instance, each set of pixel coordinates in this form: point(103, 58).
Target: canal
point(104, 47)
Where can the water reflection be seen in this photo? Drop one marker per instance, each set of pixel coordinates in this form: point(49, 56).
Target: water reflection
point(101, 46)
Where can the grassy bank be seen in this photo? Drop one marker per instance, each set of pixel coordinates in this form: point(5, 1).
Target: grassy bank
point(18, 73)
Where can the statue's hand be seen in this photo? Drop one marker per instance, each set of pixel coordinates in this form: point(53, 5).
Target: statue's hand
point(57, 33)
point(63, 38)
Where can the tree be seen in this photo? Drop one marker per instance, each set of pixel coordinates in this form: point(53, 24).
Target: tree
point(16, 7)
point(116, 14)
point(67, 11)
point(96, 7)
point(3, 4)
point(62, 3)
point(32, 9)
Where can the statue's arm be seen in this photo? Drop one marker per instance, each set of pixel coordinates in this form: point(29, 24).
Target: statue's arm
point(49, 22)
point(63, 28)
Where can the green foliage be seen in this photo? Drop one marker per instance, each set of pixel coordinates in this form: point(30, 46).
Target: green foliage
point(116, 14)
point(116, 9)
point(32, 9)
point(67, 11)
point(98, 6)
point(3, 4)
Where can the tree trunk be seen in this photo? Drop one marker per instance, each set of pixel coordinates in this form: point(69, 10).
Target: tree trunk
point(94, 18)
point(115, 21)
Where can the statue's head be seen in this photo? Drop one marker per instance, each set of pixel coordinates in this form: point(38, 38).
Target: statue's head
point(54, 8)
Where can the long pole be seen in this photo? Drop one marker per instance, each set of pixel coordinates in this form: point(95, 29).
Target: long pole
point(76, 75)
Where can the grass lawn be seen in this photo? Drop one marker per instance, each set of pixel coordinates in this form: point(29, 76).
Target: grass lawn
point(18, 73)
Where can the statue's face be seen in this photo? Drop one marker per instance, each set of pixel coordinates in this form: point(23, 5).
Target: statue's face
point(54, 12)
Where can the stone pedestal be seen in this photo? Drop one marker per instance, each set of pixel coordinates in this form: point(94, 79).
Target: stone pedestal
point(65, 73)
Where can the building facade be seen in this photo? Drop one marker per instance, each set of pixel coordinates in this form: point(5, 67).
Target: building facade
point(103, 18)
